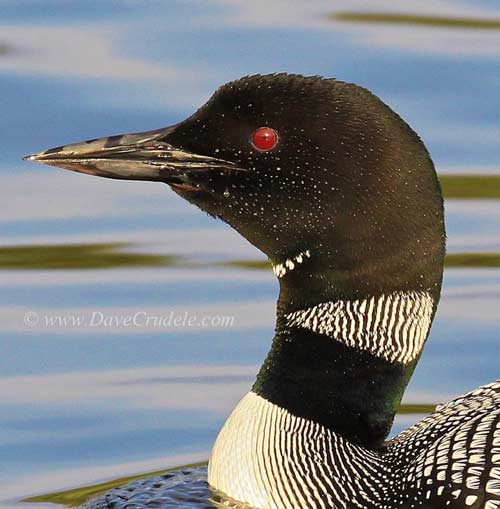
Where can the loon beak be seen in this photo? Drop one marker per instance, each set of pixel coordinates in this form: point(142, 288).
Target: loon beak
point(137, 156)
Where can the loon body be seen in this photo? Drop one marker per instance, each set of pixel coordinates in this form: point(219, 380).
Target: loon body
point(342, 196)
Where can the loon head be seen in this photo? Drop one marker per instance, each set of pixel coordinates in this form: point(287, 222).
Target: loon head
point(302, 167)
point(335, 188)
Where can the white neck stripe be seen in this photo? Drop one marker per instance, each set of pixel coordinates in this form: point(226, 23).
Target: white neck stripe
point(393, 326)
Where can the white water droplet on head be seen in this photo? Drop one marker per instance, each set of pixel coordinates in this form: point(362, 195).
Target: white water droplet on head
point(226, 193)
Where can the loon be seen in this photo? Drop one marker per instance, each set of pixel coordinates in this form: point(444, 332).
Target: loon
point(342, 196)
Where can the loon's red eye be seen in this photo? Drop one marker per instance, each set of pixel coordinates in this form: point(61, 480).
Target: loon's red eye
point(264, 139)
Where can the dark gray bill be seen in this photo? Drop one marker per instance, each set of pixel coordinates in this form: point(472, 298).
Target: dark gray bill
point(137, 156)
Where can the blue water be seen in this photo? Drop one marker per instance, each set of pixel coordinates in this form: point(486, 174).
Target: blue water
point(81, 404)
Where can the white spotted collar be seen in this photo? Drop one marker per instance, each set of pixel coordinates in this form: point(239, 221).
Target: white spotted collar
point(280, 269)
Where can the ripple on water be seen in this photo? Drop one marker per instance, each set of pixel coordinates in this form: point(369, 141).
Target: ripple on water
point(182, 489)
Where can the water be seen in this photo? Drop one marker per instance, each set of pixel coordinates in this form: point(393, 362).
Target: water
point(97, 380)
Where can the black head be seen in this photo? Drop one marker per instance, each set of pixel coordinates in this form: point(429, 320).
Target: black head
point(343, 197)
point(345, 180)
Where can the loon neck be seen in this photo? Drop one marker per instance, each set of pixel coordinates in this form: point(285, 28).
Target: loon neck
point(343, 360)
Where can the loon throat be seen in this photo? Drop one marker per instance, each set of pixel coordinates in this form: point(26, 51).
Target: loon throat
point(344, 363)
point(280, 269)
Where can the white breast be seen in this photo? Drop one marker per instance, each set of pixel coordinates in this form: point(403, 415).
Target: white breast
point(271, 459)
point(236, 461)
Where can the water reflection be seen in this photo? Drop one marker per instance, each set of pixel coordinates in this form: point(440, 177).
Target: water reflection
point(418, 20)
point(78, 496)
point(112, 255)
point(54, 50)
point(77, 256)
point(471, 187)
point(4, 49)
